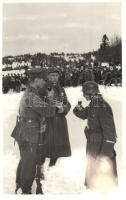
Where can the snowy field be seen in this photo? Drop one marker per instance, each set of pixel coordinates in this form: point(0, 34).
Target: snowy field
point(67, 177)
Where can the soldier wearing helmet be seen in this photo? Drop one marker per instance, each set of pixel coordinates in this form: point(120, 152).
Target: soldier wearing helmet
point(90, 88)
point(100, 131)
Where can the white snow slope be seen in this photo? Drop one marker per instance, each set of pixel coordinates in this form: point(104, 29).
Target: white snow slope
point(67, 177)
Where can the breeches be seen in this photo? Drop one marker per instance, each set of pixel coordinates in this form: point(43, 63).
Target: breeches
point(27, 166)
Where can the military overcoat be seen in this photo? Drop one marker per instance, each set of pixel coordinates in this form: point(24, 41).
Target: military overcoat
point(57, 142)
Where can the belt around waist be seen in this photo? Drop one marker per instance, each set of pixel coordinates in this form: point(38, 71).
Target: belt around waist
point(29, 119)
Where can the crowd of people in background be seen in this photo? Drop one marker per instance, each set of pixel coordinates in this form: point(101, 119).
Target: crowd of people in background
point(72, 73)
point(14, 82)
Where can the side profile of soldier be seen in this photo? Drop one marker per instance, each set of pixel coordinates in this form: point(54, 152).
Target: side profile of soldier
point(57, 144)
point(100, 132)
point(31, 124)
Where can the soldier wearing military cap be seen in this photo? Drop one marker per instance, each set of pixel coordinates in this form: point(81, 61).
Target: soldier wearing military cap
point(58, 144)
point(53, 70)
point(31, 125)
point(100, 132)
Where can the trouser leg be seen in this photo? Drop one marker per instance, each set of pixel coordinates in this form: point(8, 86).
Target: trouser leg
point(18, 177)
point(40, 163)
point(92, 167)
point(39, 169)
point(28, 166)
point(39, 175)
point(90, 170)
point(18, 174)
point(114, 169)
point(92, 155)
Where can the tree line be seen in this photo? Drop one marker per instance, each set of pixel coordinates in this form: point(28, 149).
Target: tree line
point(110, 50)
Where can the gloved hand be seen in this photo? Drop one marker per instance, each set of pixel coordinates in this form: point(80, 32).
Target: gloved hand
point(60, 109)
point(78, 107)
point(107, 149)
point(59, 106)
point(51, 93)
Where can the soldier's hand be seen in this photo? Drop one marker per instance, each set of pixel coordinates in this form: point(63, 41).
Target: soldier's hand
point(60, 108)
point(79, 108)
point(50, 94)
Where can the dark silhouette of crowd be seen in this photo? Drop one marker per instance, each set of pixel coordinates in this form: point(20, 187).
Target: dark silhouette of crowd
point(14, 82)
point(73, 71)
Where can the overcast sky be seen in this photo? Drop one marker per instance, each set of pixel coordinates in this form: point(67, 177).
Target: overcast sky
point(62, 27)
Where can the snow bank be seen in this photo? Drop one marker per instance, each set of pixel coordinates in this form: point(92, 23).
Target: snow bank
point(67, 176)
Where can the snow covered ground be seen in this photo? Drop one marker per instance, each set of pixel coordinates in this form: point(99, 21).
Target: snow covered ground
point(67, 177)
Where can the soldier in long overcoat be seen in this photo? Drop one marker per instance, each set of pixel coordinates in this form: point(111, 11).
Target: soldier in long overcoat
point(100, 132)
point(32, 120)
point(57, 141)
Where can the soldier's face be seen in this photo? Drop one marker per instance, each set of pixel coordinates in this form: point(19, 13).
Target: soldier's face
point(53, 78)
point(40, 82)
point(86, 96)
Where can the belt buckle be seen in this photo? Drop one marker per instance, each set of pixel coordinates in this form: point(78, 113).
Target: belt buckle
point(29, 120)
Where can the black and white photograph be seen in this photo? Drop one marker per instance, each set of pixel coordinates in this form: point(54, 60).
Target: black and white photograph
point(62, 94)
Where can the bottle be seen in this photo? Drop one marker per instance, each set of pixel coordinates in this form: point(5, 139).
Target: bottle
point(49, 89)
point(80, 103)
point(61, 97)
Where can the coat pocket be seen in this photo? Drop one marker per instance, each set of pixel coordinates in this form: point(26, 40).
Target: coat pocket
point(16, 131)
point(30, 132)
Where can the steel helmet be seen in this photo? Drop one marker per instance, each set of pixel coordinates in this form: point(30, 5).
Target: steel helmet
point(90, 87)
